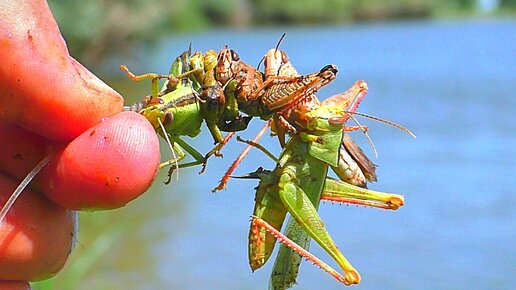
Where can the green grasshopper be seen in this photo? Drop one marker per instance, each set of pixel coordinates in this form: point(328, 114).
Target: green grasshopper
point(295, 186)
point(346, 158)
point(175, 109)
point(190, 96)
point(286, 266)
point(352, 167)
point(269, 214)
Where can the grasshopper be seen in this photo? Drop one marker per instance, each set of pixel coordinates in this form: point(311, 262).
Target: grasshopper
point(296, 186)
point(353, 165)
point(175, 110)
point(190, 96)
point(218, 110)
point(262, 95)
point(268, 96)
point(286, 266)
point(346, 158)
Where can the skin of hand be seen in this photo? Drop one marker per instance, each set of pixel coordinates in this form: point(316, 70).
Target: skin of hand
point(51, 104)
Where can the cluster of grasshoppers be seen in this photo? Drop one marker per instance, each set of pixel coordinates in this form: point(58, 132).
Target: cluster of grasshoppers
point(225, 92)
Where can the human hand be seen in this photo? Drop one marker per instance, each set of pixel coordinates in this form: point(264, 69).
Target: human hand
point(50, 103)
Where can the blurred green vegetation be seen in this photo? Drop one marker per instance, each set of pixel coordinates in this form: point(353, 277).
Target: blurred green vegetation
point(95, 29)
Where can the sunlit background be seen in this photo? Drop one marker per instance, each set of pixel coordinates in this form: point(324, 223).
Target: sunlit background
point(444, 69)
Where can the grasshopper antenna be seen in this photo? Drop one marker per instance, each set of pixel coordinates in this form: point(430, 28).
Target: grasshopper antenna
point(279, 42)
point(404, 129)
point(275, 49)
point(24, 184)
point(369, 140)
point(260, 63)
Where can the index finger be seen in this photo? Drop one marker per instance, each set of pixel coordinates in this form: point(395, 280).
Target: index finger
point(42, 88)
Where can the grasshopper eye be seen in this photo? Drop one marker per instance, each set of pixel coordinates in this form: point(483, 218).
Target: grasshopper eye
point(169, 118)
point(284, 57)
point(235, 55)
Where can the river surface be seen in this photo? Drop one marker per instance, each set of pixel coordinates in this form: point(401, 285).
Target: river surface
point(452, 83)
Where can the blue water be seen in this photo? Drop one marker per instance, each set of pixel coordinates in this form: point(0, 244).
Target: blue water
point(452, 83)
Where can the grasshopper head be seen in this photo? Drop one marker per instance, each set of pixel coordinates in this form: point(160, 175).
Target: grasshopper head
point(227, 61)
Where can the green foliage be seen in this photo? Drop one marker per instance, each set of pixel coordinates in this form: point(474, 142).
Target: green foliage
point(95, 29)
point(293, 11)
point(508, 4)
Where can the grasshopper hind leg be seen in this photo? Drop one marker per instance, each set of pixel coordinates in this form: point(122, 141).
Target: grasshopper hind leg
point(302, 209)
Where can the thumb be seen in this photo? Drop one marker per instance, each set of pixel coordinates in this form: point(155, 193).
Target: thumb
point(107, 166)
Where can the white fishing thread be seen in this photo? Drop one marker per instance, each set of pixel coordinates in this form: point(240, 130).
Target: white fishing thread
point(24, 184)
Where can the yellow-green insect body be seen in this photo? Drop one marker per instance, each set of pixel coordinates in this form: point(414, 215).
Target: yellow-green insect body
point(296, 186)
point(300, 179)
